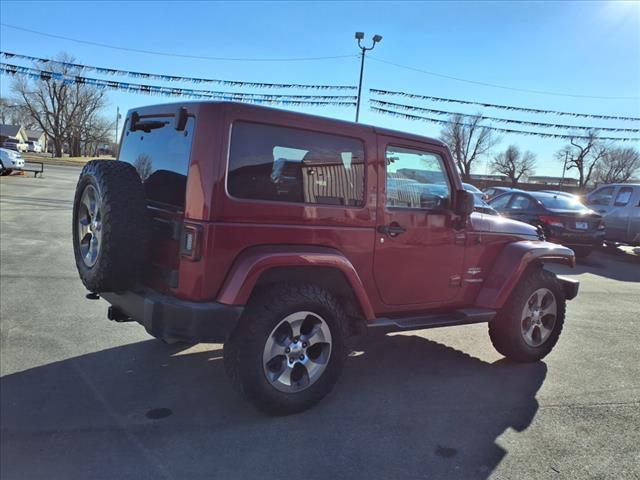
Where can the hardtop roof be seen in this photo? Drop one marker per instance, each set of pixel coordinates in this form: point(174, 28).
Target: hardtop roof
point(170, 108)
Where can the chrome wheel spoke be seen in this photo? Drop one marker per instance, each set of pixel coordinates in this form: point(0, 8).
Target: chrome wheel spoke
point(318, 334)
point(549, 307)
point(277, 349)
point(528, 334)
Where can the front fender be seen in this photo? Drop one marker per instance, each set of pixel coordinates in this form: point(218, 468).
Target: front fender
point(511, 264)
point(254, 262)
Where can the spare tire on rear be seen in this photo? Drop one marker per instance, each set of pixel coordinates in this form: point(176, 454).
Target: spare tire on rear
point(110, 229)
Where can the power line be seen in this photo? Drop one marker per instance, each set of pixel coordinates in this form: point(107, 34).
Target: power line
point(409, 116)
point(178, 55)
point(378, 91)
point(493, 85)
point(401, 106)
point(310, 100)
point(170, 78)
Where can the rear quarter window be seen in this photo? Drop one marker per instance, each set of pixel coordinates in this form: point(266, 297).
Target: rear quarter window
point(268, 162)
point(161, 157)
point(623, 197)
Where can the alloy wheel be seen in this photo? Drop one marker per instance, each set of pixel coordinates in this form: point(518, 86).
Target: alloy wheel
point(539, 317)
point(297, 352)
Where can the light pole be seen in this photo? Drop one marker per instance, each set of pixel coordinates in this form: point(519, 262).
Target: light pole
point(360, 37)
point(118, 116)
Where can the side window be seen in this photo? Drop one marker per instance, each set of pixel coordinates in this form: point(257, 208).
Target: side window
point(601, 196)
point(520, 202)
point(623, 197)
point(268, 162)
point(416, 179)
point(500, 203)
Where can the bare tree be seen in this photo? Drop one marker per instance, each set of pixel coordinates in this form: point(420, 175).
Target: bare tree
point(61, 109)
point(514, 164)
point(617, 165)
point(468, 140)
point(144, 166)
point(16, 113)
point(583, 154)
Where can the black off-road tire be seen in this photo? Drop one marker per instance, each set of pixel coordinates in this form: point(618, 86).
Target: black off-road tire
point(505, 329)
point(244, 350)
point(4, 171)
point(123, 251)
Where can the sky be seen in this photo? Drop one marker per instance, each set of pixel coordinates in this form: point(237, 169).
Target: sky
point(573, 49)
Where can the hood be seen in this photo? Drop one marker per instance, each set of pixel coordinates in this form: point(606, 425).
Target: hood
point(497, 224)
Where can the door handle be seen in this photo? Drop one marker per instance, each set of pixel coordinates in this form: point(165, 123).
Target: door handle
point(392, 229)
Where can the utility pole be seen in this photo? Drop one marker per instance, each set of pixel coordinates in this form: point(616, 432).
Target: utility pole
point(564, 167)
point(360, 37)
point(117, 122)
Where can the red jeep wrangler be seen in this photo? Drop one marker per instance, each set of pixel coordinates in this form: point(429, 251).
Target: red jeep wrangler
point(281, 234)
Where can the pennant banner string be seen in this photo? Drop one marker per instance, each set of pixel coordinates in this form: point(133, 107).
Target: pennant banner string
point(170, 78)
point(46, 75)
point(408, 116)
point(378, 91)
point(170, 92)
point(400, 106)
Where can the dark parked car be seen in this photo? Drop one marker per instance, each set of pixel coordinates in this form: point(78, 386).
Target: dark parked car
point(563, 219)
point(479, 205)
point(492, 192)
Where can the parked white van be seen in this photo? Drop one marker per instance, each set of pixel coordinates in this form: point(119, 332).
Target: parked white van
point(619, 204)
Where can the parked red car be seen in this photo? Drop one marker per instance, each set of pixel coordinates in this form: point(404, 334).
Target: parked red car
point(281, 234)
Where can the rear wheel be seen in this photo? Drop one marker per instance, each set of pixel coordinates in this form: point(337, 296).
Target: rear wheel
point(582, 252)
point(529, 325)
point(288, 349)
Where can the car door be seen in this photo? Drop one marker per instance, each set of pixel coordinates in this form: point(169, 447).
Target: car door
point(501, 202)
point(618, 216)
point(521, 207)
point(419, 252)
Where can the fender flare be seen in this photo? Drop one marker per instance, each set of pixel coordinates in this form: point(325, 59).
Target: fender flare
point(512, 263)
point(251, 264)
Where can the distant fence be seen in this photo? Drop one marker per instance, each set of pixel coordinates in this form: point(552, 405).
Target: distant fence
point(483, 184)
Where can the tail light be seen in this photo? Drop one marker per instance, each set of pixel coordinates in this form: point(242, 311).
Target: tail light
point(552, 221)
point(191, 242)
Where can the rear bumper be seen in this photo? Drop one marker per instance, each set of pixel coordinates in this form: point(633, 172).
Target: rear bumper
point(168, 317)
point(570, 239)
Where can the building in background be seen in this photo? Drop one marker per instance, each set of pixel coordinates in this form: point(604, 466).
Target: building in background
point(14, 132)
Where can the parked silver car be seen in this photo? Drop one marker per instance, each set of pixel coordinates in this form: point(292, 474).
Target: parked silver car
point(619, 204)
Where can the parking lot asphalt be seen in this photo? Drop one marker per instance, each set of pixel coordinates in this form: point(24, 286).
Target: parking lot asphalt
point(77, 391)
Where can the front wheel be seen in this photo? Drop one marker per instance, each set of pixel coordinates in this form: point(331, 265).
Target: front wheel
point(529, 325)
point(288, 349)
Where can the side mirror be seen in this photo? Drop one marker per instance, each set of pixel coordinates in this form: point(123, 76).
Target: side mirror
point(464, 203)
